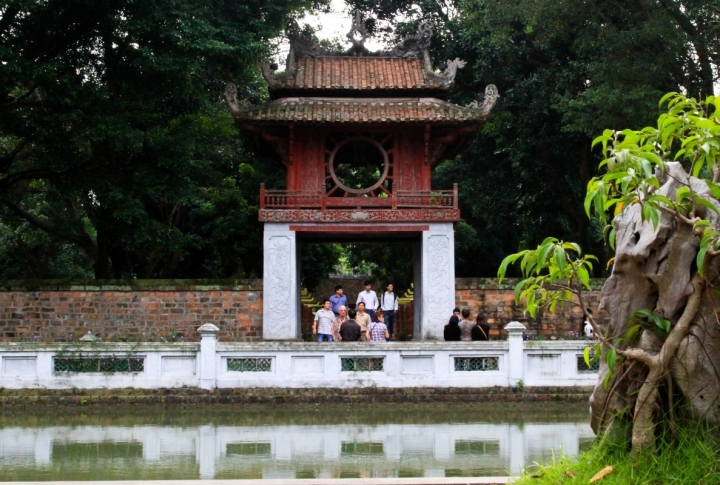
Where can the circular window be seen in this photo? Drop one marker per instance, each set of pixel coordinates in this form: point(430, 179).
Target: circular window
point(359, 165)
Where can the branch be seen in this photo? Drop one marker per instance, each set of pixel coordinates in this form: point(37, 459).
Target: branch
point(82, 240)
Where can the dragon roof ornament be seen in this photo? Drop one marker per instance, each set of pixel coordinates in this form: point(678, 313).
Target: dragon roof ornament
point(413, 46)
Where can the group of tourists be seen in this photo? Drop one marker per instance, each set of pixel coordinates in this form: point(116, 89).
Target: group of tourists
point(372, 319)
point(462, 328)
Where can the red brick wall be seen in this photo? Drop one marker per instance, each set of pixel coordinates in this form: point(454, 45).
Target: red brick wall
point(497, 303)
point(136, 311)
point(153, 310)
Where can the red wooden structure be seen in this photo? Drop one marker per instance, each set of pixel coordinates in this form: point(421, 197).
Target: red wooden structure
point(360, 132)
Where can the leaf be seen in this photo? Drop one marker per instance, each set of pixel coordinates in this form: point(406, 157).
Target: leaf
point(633, 332)
point(586, 356)
point(519, 288)
point(700, 260)
point(570, 474)
point(584, 277)
point(560, 258)
point(666, 97)
point(601, 474)
point(706, 203)
point(507, 261)
point(682, 194)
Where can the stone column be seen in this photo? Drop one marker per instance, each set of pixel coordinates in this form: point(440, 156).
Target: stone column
point(515, 352)
point(281, 295)
point(438, 279)
point(417, 291)
point(208, 355)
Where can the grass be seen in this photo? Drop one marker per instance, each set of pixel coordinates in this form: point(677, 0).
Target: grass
point(689, 457)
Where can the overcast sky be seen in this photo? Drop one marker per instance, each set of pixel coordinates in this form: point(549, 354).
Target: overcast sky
point(332, 25)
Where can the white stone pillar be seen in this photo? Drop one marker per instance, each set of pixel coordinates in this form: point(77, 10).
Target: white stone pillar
point(208, 355)
point(438, 279)
point(281, 290)
point(417, 291)
point(515, 351)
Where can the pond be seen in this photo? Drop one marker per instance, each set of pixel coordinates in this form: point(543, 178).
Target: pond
point(288, 441)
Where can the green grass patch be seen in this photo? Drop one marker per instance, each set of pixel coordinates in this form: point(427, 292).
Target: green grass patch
point(690, 456)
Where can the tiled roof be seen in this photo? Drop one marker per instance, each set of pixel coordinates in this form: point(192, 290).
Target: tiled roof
point(360, 110)
point(355, 73)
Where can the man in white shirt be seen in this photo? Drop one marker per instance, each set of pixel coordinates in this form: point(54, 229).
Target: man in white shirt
point(322, 326)
point(369, 298)
point(389, 305)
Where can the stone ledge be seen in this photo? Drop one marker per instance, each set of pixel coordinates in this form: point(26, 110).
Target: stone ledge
point(367, 347)
point(197, 396)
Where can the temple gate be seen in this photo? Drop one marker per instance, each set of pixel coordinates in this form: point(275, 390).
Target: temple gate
point(359, 133)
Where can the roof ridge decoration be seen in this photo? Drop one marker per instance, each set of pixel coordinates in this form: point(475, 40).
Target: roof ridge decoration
point(412, 46)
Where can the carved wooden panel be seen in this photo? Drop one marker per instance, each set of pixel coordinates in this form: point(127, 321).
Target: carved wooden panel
point(389, 215)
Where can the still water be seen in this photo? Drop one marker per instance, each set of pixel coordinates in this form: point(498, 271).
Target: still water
point(289, 441)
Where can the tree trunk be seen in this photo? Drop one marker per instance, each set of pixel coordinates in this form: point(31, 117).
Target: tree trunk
point(656, 270)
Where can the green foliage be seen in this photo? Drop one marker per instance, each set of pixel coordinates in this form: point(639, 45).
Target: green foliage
point(646, 319)
point(114, 138)
point(634, 160)
point(565, 70)
point(686, 457)
point(550, 274)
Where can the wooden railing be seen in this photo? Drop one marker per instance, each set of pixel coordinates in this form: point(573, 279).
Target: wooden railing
point(401, 199)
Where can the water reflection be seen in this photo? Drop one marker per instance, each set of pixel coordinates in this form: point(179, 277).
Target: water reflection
point(294, 442)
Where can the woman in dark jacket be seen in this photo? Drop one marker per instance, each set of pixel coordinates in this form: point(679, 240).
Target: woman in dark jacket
point(452, 330)
point(481, 330)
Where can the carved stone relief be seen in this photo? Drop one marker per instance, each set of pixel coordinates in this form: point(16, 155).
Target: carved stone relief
point(438, 283)
point(277, 285)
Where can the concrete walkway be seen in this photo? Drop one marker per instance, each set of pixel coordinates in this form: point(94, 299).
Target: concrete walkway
point(310, 481)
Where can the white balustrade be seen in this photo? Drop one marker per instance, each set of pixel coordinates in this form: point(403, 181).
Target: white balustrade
point(212, 364)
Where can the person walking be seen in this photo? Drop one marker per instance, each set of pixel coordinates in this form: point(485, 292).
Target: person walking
point(350, 330)
point(338, 299)
point(452, 330)
point(481, 330)
point(377, 330)
point(369, 297)
point(389, 307)
point(322, 326)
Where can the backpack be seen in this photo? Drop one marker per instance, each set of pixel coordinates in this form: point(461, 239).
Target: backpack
point(382, 300)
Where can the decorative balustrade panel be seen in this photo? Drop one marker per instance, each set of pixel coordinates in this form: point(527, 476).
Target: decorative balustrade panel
point(362, 364)
point(98, 364)
point(471, 364)
point(249, 365)
point(583, 367)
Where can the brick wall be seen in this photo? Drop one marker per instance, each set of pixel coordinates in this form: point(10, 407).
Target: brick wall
point(152, 310)
point(144, 310)
point(497, 303)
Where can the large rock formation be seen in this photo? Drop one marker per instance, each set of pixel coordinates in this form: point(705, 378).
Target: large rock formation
point(654, 269)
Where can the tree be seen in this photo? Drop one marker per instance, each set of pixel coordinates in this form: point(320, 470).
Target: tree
point(661, 346)
point(565, 70)
point(114, 138)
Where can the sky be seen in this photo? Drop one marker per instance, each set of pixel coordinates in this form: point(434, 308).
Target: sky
point(332, 25)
